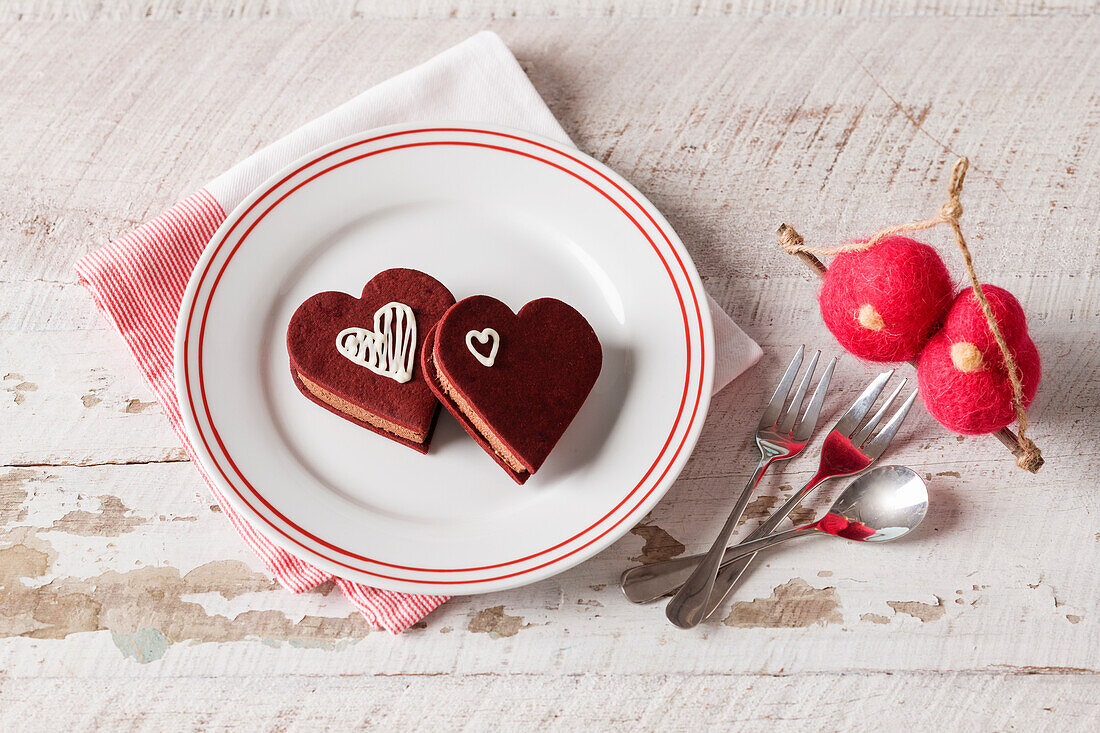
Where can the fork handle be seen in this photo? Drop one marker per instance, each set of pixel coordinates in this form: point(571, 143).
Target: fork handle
point(686, 608)
point(730, 574)
point(751, 547)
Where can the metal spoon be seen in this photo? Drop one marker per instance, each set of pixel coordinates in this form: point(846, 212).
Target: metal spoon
point(881, 505)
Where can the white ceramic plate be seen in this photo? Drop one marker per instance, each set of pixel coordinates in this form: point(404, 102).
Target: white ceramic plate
point(484, 210)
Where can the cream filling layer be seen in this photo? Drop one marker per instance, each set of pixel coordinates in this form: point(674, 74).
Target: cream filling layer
point(480, 425)
point(353, 410)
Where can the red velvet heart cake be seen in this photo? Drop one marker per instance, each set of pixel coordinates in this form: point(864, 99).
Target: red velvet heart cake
point(514, 382)
point(357, 357)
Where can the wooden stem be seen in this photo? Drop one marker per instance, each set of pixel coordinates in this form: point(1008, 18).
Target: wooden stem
point(1005, 435)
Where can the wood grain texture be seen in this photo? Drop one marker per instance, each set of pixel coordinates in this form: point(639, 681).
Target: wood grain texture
point(85, 10)
point(651, 702)
point(127, 600)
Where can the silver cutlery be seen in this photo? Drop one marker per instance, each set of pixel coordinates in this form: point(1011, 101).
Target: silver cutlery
point(849, 448)
point(883, 504)
point(647, 583)
point(780, 436)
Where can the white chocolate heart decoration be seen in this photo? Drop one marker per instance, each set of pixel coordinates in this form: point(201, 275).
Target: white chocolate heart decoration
point(390, 349)
point(483, 336)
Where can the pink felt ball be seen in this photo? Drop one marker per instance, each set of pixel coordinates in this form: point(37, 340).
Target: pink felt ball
point(962, 374)
point(884, 303)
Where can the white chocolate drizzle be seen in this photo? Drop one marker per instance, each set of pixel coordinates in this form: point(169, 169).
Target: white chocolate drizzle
point(483, 336)
point(390, 349)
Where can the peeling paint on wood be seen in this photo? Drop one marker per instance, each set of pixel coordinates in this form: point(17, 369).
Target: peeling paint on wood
point(794, 604)
point(113, 518)
point(923, 611)
point(659, 544)
point(760, 508)
point(149, 598)
point(143, 645)
point(136, 406)
point(13, 494)
point(801, 515)
point(24, 558)
point(145, 605)
point(495, 622)
point(20, 389)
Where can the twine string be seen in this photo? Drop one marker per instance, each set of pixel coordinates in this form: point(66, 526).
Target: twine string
point(1029, 457)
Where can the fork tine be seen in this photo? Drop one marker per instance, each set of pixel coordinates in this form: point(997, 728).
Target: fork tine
point(808, 423)
point(866, 430)
point(787, 423)
point(851, 419)
point(775, 407)
point(878, 444)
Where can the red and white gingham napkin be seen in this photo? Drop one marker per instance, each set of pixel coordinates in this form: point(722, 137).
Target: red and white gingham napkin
point(138, 280)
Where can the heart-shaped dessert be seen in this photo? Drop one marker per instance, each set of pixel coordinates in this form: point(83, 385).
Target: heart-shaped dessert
point(357, 357)
point(514, 381)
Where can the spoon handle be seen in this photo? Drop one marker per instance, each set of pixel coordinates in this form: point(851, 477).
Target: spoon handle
point(648, 583)
point(751, 547)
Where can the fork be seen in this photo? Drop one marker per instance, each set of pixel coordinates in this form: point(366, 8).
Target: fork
point(780, 436)
point(649, 582)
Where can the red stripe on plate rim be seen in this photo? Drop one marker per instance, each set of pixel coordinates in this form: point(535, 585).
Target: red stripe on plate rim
point(256, 494)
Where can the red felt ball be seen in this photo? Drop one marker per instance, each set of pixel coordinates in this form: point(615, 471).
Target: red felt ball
point(962, 375)
point(884, 303)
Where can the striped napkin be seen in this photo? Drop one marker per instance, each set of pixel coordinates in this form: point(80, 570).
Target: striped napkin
point(138, 280)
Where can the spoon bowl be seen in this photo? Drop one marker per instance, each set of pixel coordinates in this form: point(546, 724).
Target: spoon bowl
point(883, 504)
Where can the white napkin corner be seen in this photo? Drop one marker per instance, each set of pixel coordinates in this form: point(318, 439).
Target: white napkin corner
point(479, 80)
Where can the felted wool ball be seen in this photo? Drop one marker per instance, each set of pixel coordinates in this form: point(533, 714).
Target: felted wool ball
point(962, 375)
point(883, 304)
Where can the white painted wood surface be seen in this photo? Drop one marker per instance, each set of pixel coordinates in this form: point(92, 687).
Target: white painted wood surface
point(126, 601)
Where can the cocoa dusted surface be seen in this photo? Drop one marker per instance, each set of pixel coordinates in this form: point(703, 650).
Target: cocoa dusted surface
point(546, 364)
point(379, 401)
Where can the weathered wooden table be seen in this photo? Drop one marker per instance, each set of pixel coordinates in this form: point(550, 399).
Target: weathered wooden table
point(127, 600)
